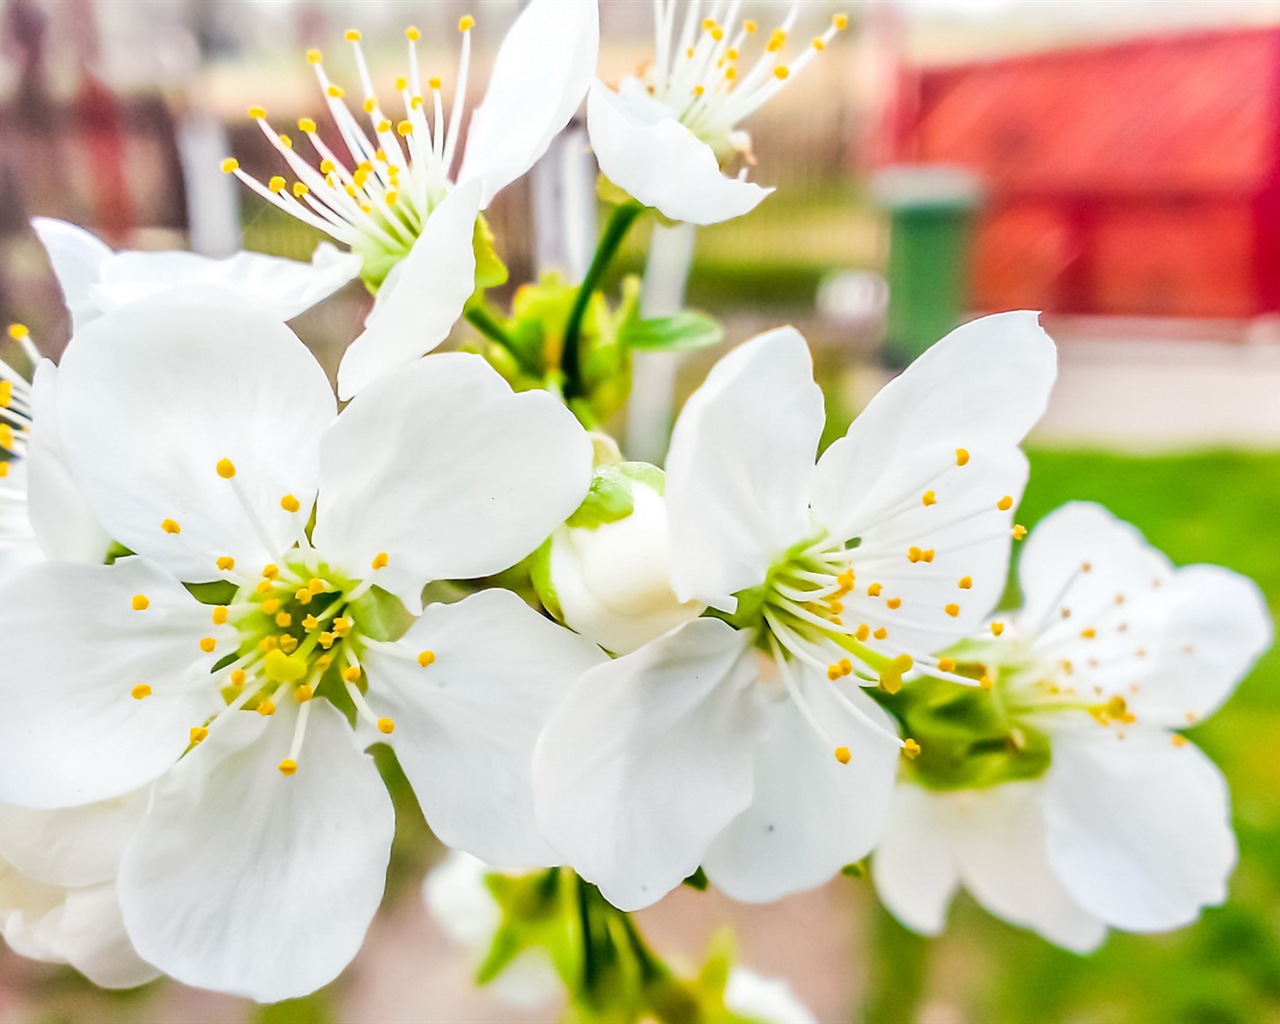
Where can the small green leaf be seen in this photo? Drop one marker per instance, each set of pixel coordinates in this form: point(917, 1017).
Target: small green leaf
point(681, 332)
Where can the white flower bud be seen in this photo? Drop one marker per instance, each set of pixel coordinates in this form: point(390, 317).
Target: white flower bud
point(608, 576)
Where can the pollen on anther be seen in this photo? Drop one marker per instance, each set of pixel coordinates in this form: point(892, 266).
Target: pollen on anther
point(874, 590)
point(351, 674)
point(310, 622)
point(288, 767)
point(781, 72)
point(840, 21)
point(405, 128)
point(881, 633)
point(314, 56)
point(197, 733)
point(266, 708)
point(412, 33)
point(426, 658)
point(966, 583)
point(386, 726)
point(238, 677)
point(352, 35)
point(140, 602)
point(946, 665)
point(290, 504)
point(997, 628)
point(303, 694)
point(894, 603)
point(230, 165)
point(911, 748)
point(862, 632)
point(380, 560)
point(336, 92)
point(843, 755)
point(140, 692)
point(929, 498)
point(986, 682)
point(256, 112)
point(284, 620)
point(226, 469)
point(1005, 503)
point(170, 526)
point(466, 23)
point(952, 609)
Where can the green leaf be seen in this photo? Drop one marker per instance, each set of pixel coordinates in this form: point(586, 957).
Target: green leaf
point(681, 332)
point(313, 1009)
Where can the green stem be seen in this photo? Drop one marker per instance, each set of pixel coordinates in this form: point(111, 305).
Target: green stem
point(898, 970)
point(483, 321)
point(620, 222)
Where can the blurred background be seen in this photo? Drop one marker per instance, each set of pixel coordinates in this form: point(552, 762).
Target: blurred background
point(1115, 164)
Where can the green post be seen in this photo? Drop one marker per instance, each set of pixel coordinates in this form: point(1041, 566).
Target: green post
point(930, 212)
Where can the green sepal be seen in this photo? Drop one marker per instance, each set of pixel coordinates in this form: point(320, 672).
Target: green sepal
point(697, 880)
point(540, 575)
point(382, 615)
point(645, 473)
point(681, 332)
point(608, 500)
point(115, 552)
point(490, 270)
point(213, 592)
point(613, 194)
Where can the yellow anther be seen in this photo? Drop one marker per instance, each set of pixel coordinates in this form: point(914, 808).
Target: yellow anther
point(730, 73)
point(140, 602)
point(819, 43)
point(19, 331)
point(962, 456)
point(874, 590)
point(303, 694)
point(894, 603)
point(1005, 503)
point(288, 767)
point(238, 677)
point(384, 126)
point(386, 726)
point(302, 595)
point(6, 393)
point(351, 674)
point(1019, 531)
point(380, 560)
point(1088, 633)
point(986, 682)
point(840, 21)
point(351, 35)
point(966, 583)
point(845, 579)
point(927, 555)
point(323, 662)
point(416, 103)
point(285, 141)
point(140, 692)
point(997, 628)
point(197, 733)
point(306, 124)
point(316, 585)
point(336, 91)
point(911, 748)
point(843, 755)
point(434, 84)
point(169, 526)
point(1178, 740)
point(833, 672)
point(229, 166)
point(341, 626)
point(903, 663)
point(412, 34)
point(881, 633)
point(862, 632)
point(284, 620)
point(946, 665)
point(952, 609)
point(466, 23)
point(256, 112)
point(290, 504)
point(426, 658)
point(929, 498)
point(370, 105)
point(280, 667)
point(750, 27)
point(402, 83)
point(263, 587)
point(208, 644)
point(405, 128)
point(698, 90)
point(270, 571)
point(327, 166)
point(310, 622)
point(327, 640)
point(360, 177)
point(288, 644)
point(781, 72)
point(299, 189)
point(390, 198)
point(271, 606)
point(4, 470)
point(6, 437)
point(266, 709)
point(914, 554)
point(314, 56)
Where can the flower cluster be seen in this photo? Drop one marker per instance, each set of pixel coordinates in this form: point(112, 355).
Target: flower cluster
point(228, 604)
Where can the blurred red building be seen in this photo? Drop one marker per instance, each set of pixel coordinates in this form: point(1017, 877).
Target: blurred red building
point(1135, 179)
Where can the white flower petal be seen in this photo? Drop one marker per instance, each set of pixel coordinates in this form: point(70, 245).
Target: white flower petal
point(1138, 830)
point(661, 163)
point(153, 396)
point(60, 516)
point(552, 43)
point(810, 815)
point(447, 471)
point(283, 288)
point(244, 881)
point(914, 867)
point(74, 649)
point(76, 256)
point(72, 846)
point(457, 897)
point(766, 1000)
point(648, 759)
point(466, 724)
point(999, 839)
point(980, 388)
point(420, 302)
point(741, 456)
